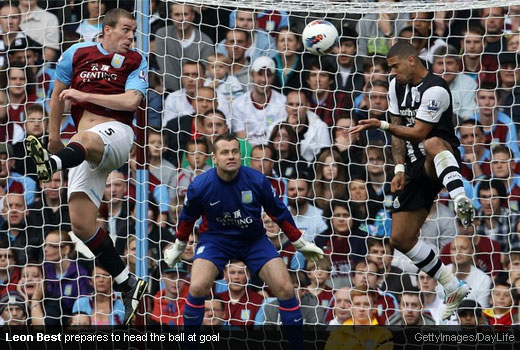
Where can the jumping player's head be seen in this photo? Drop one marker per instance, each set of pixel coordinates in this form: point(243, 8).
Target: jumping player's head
point(118, 31)
point(404, 61)
point(226, 154)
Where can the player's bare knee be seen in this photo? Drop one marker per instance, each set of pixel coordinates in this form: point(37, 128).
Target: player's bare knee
point(435, 145)
point(199, 290)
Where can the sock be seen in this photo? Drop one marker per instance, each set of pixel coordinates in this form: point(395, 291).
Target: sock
point(103, 248)
point(292, 320)
point(448, 171)
point(424, 258)
point(69, 157)
point(193, 317)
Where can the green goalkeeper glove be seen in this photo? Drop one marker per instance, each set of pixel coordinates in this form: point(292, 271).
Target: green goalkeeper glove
point(172, 255)
point(309, 250)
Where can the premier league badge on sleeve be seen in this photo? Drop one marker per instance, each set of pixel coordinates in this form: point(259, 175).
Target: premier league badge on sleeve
point(247, 197)
point(117, 61)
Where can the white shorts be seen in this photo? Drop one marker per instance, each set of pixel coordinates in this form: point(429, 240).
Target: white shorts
point(90, 178)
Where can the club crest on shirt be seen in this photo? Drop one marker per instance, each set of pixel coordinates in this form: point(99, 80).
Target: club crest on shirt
point(397, 204)
point(117, 61)
point(247, 197)
point(433, 106)
point(245, 314)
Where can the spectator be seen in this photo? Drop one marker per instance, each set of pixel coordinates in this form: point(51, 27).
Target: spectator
point(9, 131)
point(503, 168)
point(312, 311)
point(312, 133)
point(181, 101)
point(228, 87)
point(423, 39)
point(288, 60)
point(507, 78)
point(104, 307)
point(260, 43)
point(25, 241)
point(492, 20)
point(155, 99)
point(271, 21)
point(30, 286)
point(447, 63)
point(241, 304)
point(255, 112)
point(7, 183)
point(391, 278)
point(385, 303)
point(118, 208)
point(331, 180)
point(190, 126)
point(366, 211)
point(487, 251)
point(512, 266)
point(349, 78)
point(280, 242)
point(432, 303)
point(376, 32)
point(41, 26)
point(13, 309)
point(11, 34)
point(308, 218)
point(91, 26)
point(214, 124)
point(348, 146)
point(196, 155)
point(164, 171)
point(284, 142)
point(502, 310)
point(363, 307)
point(65, 279)
point(213, 313)
point(9, 271)
point(439, 228)
point(470, 313)
point(378, 179)
point(480, 66)
point(345, 242)
point(318, 273)
point(324, 100)
point(36, 125)
point(20, 85)
point(168, 303)
point(342, 306)
point(180, 41)
point(51, 212)
point(463, 267)
point(498, 127)
point(411, 311)
point(236, 43)
point(377, 106)
point(495, 220)
point(476, 157)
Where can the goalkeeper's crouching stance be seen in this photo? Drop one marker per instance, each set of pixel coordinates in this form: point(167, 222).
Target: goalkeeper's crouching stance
point(230, 199)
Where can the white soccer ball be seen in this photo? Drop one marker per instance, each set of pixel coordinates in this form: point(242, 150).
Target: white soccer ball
point(319, 37)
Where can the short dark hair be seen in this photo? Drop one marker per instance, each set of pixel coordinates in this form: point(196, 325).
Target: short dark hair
point(447, 52)
point(403, 49)
point(487, 85)
point(202, 67)
point(224, 137)
point(264, 147)
point(502, 149)
point(112, 17)
point(498, 185)
point(199, 141)
point(415, 292)
point(349, 34)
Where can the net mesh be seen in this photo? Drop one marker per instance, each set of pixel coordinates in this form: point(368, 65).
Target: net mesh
point(204, 60)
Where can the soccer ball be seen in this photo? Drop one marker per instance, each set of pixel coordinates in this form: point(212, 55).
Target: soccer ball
point(319, 37)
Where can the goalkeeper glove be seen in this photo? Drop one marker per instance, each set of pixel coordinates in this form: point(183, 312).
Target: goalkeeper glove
point(309, 250)
point(172, 255)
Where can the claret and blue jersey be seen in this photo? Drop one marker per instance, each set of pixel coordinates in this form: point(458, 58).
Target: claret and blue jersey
point(233, 209)
point(88, 67)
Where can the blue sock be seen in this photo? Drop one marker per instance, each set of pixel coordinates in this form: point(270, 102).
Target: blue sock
point(292, 321)
point(193, 316)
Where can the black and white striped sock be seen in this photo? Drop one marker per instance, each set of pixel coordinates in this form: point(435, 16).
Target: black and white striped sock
point(448, 171)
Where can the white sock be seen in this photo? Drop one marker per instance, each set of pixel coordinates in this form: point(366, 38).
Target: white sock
point(123, 276)
point(448, 172)
point(58, 162)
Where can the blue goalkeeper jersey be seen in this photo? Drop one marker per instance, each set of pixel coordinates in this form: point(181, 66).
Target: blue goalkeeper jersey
point(233, 209)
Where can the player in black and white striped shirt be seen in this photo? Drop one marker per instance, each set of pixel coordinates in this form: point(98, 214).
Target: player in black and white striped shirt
point(423, 138)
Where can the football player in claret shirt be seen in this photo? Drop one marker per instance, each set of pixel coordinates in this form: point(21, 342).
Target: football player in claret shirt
point(423, 137)
point(230, 199)
point(105, 83)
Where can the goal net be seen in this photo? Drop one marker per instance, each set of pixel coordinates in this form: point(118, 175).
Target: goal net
point(240, 67)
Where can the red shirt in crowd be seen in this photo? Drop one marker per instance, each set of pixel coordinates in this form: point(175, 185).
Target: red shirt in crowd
point(243, 312)
point(169, 311)
point(332, 106)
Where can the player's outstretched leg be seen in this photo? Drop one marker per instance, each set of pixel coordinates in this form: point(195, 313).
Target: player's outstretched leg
point(41, 157)
point(448, 171)
point(405, 228)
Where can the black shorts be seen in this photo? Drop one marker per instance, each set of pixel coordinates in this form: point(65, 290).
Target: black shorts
point(420, 190)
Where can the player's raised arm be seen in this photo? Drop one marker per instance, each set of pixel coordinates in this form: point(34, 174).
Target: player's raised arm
point(191, 212)
point(279, 213)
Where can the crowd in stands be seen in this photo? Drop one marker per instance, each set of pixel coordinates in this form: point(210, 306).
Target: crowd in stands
point(217, 70)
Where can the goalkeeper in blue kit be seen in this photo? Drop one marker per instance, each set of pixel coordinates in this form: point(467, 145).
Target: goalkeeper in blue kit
point(230, 198)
